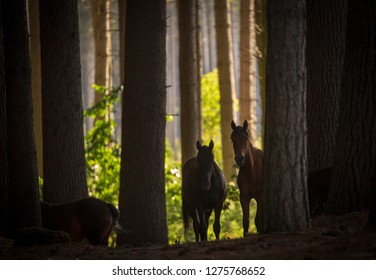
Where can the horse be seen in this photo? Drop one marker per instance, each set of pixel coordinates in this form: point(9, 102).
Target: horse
point(88, 218)
point(249, 159)
point(203, 189)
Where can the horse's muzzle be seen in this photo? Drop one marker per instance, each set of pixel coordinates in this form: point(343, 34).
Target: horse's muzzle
point(239, 159)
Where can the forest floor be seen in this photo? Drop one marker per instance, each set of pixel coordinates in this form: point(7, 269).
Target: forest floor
point(344, 237)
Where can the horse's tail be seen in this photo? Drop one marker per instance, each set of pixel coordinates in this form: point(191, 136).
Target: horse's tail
point(114, 212)
point(185, 216)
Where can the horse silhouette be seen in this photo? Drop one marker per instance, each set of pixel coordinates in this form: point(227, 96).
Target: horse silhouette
point(88, 218)
point(203, 189)
point(249, 159)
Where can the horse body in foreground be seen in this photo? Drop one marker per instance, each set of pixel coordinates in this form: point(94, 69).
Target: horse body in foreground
point(203, 189)
point(88, 218)
point(249, 159)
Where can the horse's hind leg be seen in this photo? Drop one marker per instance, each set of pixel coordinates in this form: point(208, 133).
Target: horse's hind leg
point(244, 201)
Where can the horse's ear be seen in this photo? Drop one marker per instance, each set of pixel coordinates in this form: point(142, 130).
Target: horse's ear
point(211, 145)
point(233, 125)
point(198, 145)
point(245, 125)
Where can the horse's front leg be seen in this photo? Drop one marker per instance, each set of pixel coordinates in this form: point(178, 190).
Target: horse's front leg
point(196, 225)
point(217, 224)
point(203, 225)
point(244, 201)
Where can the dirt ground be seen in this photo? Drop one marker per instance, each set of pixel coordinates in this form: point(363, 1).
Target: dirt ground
point(330, 237)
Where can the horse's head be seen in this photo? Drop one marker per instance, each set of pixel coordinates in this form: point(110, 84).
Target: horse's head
point(240, 140)
point(205, 160)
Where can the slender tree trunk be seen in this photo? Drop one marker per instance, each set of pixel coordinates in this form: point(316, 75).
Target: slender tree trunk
point(226, 81)
point(198, 7)
point(142, 194)
point(99, 30)
point(326, 25)
point(3, 140)
point(63, 138)
point(261, 42)
point(284, 205)
point(109, 64)
point(33, 9)
point(355, 151)
point(247, 100)
point(23, 195)
point(122, 14)
point(188, 79)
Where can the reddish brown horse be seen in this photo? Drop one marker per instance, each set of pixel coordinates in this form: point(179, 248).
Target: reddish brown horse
point(249, 159)
point(204, 189)
point(88, 218)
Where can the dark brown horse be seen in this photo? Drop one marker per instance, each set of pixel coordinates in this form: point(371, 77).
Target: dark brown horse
point(88, 218)
point(204, 189)
point(249, 159)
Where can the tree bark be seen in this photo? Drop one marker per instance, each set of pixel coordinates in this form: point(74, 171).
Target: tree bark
point(247, 100)
point(226, 82)
point(142, 194)
point(326, 25)
point(284, 206)
point(188, 79)
point(3, 140)
point(63, 138)
point(355, 151)
point(23, 195)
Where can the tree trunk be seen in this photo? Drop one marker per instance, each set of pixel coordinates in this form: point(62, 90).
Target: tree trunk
point(142, 194)
point(326, 25)
point(122, 14)
point(3, 140)
point(198, 24)
point(284, 205)
point(188, 79)
point(372, 204)
point(33, 9)
point(261, 42)
point(355, 156)
point(23, 195)
point(226, 82)
point(63, 139)
point(247, 100)
point(99, 30)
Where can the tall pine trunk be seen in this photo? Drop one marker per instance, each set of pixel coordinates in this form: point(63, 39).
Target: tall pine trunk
point(188, 79)
point(23, 195)
point(142, 194)
point(3, 140)
point(326, 34)
point(226, 81)
point(355, 151)
point(284, 205)
point(63, 138)
point(33, 9)
point(247, 100)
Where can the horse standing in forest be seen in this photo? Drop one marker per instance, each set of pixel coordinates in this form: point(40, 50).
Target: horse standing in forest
point(249, 159)
point(203, 189)
point(88, 218)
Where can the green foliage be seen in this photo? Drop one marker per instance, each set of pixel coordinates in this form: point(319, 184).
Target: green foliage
point(101, 149)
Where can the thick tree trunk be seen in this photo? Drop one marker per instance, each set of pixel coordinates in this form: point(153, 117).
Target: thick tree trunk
point(3, 140)
point(355, 151)
point(142, 194)
point(326, 25)
point(188, 79)
point(23, 195)
point(63, 139)
point(226, 82)
point(247, 100)
point(284, 205)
